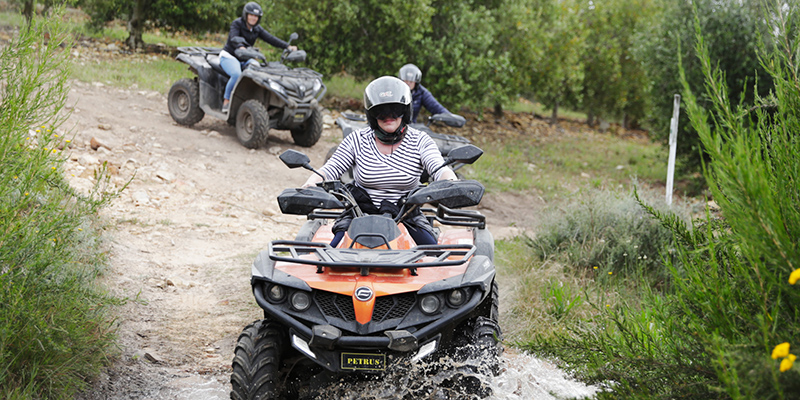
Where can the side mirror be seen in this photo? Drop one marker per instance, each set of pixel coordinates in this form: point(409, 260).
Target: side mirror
point(465, 154)
point(293, 36)
point(294, 159)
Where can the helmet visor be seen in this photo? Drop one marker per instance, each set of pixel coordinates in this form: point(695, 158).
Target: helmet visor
point(389, 111)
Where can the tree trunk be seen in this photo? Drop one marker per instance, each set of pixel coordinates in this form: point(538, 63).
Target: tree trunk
point(554, 117)
point(135, 26)
point(590, 119)
point(27, 12)
point(498, 110)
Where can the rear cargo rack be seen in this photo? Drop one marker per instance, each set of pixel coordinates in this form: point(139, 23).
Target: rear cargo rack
point(323, 255)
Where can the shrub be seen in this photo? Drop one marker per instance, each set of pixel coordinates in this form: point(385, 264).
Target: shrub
point(54, 331)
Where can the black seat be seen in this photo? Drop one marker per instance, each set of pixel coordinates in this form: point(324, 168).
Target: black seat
point(213, 60)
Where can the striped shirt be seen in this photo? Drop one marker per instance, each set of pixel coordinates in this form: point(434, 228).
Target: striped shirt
point(385, 176)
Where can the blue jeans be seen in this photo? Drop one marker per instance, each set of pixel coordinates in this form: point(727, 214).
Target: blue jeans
point(233, 68)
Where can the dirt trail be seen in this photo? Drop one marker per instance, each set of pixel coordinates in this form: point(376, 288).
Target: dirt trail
point(184, 234)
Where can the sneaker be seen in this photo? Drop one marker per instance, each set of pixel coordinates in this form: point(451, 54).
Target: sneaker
point(226, 107)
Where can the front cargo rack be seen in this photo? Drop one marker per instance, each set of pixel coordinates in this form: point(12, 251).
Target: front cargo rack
point(323, 255)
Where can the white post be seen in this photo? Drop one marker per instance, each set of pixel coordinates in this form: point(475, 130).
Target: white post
point(673, 144)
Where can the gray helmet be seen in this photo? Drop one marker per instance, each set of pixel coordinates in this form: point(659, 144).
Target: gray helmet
point(252, 8)
point(388, 95)
point(410, 72)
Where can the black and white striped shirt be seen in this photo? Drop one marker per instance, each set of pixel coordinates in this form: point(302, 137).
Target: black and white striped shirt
point(385, 176)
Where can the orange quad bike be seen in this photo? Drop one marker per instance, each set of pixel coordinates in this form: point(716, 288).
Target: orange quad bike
point(377, 300)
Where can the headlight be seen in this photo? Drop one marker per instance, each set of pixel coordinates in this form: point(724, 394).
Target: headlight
point(276, 293)
point(300, 301)
point(429, 304)
point(317, 85)
point(456, 297)
point(277, 87)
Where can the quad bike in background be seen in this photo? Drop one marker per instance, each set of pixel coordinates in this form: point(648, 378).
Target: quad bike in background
point(377, 300)
point(269, 95)
point(349, 122)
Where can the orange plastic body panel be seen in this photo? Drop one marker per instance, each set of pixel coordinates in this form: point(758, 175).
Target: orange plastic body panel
point(382, 281)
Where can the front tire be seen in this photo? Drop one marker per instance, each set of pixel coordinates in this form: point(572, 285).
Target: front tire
point(310, 131)
point(252, 124)
point(184, 102)
point(256, 362)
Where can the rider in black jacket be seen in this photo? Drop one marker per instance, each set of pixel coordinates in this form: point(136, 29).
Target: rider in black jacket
point(244, 32)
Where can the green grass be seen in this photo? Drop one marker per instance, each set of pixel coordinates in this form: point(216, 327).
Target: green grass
point(345, 86)
point(555, 168)
point(531, 107)
point(154, 72)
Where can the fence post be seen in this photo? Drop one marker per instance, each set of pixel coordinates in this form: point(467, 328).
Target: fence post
point(673, 144)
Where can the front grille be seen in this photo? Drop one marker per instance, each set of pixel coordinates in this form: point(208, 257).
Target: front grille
point(386, 307)
point(336, 305)
point(391, 307)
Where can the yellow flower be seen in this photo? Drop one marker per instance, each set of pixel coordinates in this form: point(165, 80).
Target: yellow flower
point(780, 351)
point(794, 276)
point(610, 273)
point(55, 151)
point(787, 363)
point(594, 267)
point(68, 141)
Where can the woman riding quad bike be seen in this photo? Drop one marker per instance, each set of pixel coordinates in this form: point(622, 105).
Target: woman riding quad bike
point(359, 298)
point(267, 95)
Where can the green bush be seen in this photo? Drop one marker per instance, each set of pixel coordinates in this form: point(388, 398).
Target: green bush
point(710, 335)
point(54, 331)
point(604, 230)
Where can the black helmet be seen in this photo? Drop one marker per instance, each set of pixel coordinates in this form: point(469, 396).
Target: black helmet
point(252, 8)
point(388, 95)
point(410, 72)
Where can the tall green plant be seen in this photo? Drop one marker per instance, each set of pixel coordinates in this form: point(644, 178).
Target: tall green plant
point(726, 327)
point(54, 331)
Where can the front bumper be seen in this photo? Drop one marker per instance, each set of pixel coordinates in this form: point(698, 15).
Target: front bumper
point(324, 344)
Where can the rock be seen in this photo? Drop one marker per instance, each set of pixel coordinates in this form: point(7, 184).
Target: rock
point(86, 160)
point(585, 175)
point(166, 176)
point(269, 212)
point(327, 119)
point(140, 197)
point(275, 150)
point(105, 127)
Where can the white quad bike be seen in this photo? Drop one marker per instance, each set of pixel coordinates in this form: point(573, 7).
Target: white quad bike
point(268, 95)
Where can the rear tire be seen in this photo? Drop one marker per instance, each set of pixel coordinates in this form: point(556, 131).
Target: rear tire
point(256, 362)
point(252, 124)
point(184, 102)
point(309, 132)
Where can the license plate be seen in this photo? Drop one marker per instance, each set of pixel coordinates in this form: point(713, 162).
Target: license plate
point(299, 116)
point(367, 362)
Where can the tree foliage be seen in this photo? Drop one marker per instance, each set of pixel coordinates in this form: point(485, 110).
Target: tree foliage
point(733, 31)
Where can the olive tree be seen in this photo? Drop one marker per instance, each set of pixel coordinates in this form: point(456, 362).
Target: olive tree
point(733, 31)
